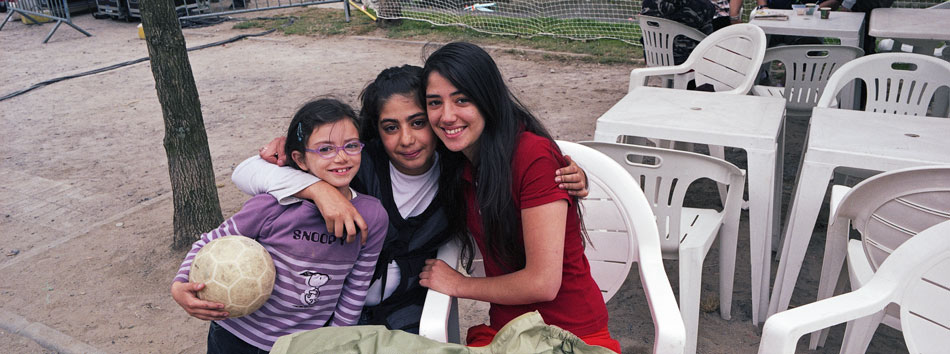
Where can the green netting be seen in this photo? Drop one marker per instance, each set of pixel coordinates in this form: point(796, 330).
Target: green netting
point(574, 19)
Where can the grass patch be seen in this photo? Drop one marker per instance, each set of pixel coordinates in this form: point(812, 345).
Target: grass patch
point(603, 51)
point(249, 24)
point(835, 41)
point(316, 22)
point(330, 22)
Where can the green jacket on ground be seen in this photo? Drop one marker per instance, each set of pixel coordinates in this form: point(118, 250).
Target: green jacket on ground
point(525, 334)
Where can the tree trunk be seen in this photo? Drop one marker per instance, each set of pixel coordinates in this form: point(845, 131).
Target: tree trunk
point(186, 144)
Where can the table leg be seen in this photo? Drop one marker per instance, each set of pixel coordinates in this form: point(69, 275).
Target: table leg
point(762, 180)
point(778, 192)
point(606, 137)
point(810, 189)
point(923, 46)
point(776, 226)
point(836, 250)
point(852, 41)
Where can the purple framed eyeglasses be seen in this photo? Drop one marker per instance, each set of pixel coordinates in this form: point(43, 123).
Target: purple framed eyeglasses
point(329, 151)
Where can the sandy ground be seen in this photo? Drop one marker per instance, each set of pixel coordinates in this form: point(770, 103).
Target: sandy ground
point(85, 207)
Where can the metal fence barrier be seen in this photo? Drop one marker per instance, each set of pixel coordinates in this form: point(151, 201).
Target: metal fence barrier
point(129, 9)
point(37, 11)
point(212, 8)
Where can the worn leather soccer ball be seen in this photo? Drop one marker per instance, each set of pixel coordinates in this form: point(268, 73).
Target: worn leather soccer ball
point(237, 272)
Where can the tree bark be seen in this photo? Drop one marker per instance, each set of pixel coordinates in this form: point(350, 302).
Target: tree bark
point(197, 209)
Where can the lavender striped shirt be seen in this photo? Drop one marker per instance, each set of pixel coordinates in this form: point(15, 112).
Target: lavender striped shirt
point(317, 274)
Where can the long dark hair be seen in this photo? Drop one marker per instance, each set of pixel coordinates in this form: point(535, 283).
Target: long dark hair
point(473, 72)
point(397, 80)
point(310, 116)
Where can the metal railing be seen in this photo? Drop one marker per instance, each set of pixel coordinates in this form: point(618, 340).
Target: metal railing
point(230, 7)
point(37, 11)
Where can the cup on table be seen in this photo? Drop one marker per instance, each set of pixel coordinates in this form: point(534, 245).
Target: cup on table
point(825, 12)
point(799, 9)
point(810, 9)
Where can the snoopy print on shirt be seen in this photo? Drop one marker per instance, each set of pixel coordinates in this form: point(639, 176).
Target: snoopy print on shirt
point(315, 280)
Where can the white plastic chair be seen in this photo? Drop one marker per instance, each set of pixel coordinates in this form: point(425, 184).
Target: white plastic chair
point(659, 35)
point(915, 277)
point(898, 83)
point(687, 234)
point(887, 209)
point(807, 70)
point(728, 59)
point(620, 225)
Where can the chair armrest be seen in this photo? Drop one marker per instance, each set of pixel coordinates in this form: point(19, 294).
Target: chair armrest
point(435, 316)
point(639, 76)
point(782, 330)
point(837, 194)
point(670, 332)
point(694, 35)
point(438, 307)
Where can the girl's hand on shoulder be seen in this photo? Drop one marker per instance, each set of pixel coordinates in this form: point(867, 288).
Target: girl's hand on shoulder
point(186, 295)
point(273, 152)
point(439, 276)
point(339, 214)
point(572, 178)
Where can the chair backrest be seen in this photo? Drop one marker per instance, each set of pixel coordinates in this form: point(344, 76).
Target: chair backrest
point(729, 59)
point(925, 300)
point(897, 83)
point(658, 36)
point(621, 228)
point(611, 217)
point(916, 277)
point(890, 208)
point(807, 70)
point(664, 175)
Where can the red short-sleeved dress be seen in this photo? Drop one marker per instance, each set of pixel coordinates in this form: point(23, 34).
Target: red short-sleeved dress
point(579, 306)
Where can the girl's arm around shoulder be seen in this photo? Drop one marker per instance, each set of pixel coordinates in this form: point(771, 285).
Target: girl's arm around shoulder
point(353, 294)
point(256, 176)
point(533, 156)
point(377, 222)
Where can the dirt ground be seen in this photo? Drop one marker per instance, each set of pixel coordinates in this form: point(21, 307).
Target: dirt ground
point(85, 207)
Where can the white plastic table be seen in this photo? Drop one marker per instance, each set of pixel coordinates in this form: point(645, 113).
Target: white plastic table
point(846, 138)
point(925, 29)
point(752, 123)
point(846, 26)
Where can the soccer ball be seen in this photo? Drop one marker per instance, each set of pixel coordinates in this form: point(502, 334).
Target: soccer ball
point(237, 272)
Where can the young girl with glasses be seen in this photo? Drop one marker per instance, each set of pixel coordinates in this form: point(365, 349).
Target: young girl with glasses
point(323, 140)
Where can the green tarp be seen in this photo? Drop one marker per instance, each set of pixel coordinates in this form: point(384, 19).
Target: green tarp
point(525, 334)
